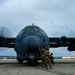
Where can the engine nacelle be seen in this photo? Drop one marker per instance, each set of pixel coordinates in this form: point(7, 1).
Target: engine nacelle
point(71, 48)
point(63, 39)
point(1, 41)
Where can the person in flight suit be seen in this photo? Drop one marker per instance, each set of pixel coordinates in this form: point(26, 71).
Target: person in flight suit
point(42, 56)
point(41, 50)
point(42, 59)
point(47, 59)
point(52, 58)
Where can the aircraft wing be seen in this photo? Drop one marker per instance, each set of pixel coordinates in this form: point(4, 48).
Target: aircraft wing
point(62, 42)
point(7, 42)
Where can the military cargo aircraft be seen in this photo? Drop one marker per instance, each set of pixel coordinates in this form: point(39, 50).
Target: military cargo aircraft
point(30, 39)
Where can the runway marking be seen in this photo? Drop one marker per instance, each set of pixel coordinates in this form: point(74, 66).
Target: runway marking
point(20, 70)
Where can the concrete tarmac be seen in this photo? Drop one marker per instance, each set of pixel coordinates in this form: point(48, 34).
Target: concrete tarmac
point(61, 67)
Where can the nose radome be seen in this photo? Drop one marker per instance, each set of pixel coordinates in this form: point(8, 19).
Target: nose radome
point(32, 42)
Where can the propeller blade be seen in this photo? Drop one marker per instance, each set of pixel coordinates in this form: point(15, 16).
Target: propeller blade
point(5, 32)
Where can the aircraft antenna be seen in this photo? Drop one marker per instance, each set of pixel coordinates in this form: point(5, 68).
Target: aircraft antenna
point(32, 24)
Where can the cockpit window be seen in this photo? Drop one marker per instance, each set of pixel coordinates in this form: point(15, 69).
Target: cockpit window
point(41, 31)
point(31, 29)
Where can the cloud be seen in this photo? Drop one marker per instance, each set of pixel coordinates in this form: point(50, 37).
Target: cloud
point(24, 12)
point(3, 1)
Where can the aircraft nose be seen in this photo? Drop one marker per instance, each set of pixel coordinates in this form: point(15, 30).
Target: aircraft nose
point(32, 43)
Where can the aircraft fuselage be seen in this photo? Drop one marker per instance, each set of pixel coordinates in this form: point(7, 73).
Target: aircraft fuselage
point(28, 41)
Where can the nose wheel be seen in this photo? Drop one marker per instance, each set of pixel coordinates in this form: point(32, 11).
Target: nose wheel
point(19, 61)
point(32, 62)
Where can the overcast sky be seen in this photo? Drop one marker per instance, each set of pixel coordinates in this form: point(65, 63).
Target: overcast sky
point(55, 17)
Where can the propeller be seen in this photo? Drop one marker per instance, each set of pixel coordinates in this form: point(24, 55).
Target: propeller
point(63, 39)
point(5, 32)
